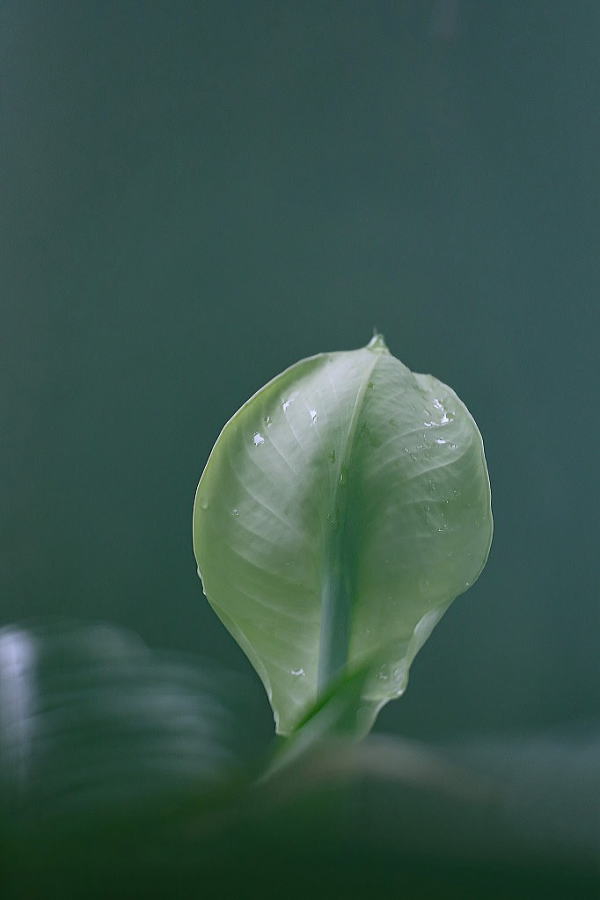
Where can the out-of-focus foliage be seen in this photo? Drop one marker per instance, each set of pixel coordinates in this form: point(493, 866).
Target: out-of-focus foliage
point(127, 774)
point(90, 718)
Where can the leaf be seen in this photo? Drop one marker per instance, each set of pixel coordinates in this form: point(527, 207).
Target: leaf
point(92, 722)
point(342, 509)
point(119, 766)
point(339, 712)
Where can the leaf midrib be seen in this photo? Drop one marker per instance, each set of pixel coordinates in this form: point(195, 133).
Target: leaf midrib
point(337, 593)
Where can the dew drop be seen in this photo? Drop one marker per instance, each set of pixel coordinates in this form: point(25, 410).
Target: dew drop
point(383, 675)
point(203, 503)
point(268, 421)
point(332, 456)
point(298, 672)
point(235, 512)
point(258, 439)
point(313, 415)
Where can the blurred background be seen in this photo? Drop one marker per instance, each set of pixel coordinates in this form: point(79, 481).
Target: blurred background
point(196, 195)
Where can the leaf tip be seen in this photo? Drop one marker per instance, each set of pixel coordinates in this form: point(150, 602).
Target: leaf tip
point(377, 343)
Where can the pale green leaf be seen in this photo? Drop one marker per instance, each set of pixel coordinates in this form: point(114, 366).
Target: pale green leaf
point(342, 509)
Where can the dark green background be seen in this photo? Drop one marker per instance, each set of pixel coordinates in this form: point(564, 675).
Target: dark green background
point(195, 195)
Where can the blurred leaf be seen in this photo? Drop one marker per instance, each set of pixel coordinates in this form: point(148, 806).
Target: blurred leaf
point(486, 819)
point(127, 773)
point(342, 509)
point(93, 723)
